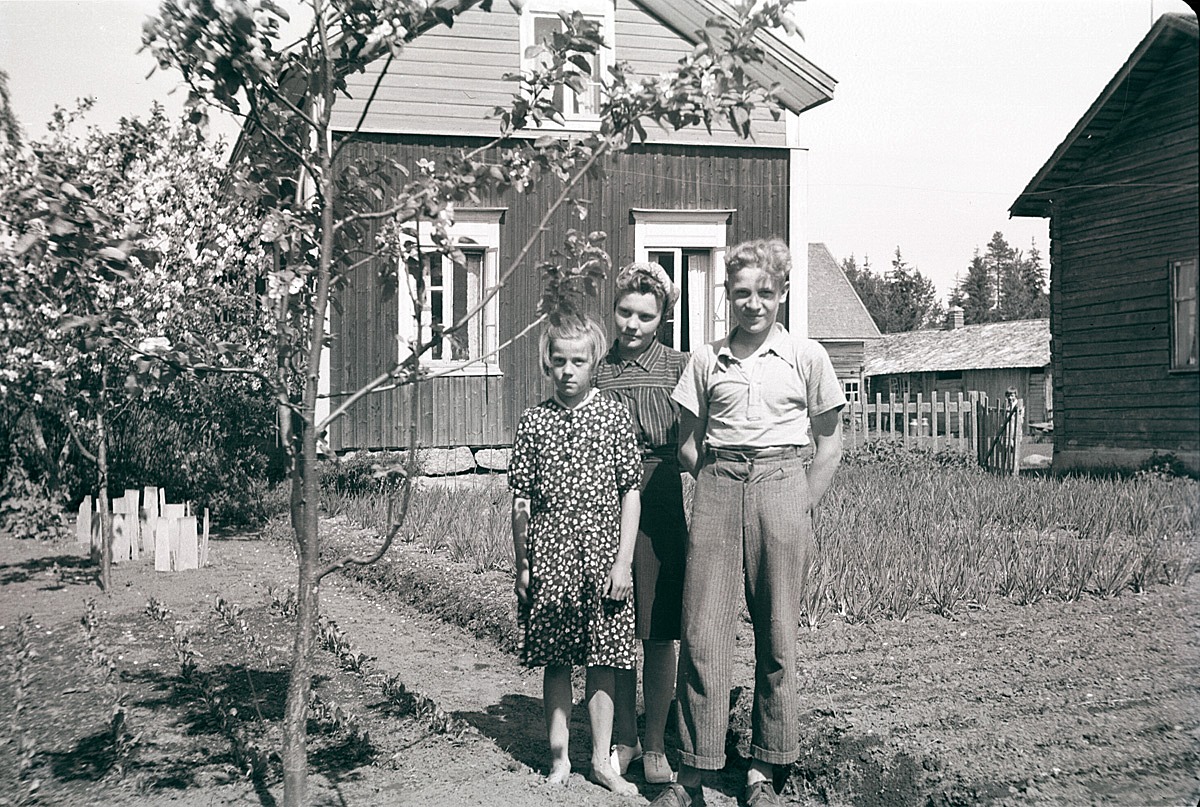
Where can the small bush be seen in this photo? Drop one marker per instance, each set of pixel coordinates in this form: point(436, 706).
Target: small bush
point(363, 472)
point(27, 509)
point(896, 456)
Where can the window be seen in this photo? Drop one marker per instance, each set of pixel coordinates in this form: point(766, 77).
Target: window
point(540, 22)
point(692, 323)
point(690, 246)
point(852, 390)
point(449, 291)
point(1185, 345)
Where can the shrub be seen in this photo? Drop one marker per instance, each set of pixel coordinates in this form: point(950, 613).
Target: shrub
point(28, 509)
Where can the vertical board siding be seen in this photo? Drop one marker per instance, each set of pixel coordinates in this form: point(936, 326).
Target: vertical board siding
point(847, 358)
point(1132, 210)
point(478, 410)
point(449, 80)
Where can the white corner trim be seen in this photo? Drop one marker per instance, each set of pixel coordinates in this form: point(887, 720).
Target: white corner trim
point(797, 227)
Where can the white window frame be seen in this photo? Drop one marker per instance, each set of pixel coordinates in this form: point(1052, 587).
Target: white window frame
point(602, 10)
point(677, 230)
point(473, 229)
point(1178, 295)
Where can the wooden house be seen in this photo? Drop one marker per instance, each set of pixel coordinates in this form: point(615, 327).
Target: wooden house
point(838, 319)
point(679, 199)
point(1122, 193)
point(990, 358)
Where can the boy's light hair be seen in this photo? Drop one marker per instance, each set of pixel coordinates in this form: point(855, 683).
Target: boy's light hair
point(573, 328)
point(769, 254)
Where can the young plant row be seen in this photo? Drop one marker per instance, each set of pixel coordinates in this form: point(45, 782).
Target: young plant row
point(896, 536)
point(250, 758)
point(469, 523)
point(949, 540)
point(406, 702)
point(25, 785)
point(121, 742)
point(324, 711)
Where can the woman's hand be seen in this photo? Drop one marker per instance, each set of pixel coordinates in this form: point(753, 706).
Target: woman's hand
point(521, 587)
point(620, 582)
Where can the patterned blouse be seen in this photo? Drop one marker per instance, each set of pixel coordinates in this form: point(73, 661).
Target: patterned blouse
point(644, 385)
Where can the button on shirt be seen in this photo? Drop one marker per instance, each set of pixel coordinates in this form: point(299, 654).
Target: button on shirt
point(765, 399)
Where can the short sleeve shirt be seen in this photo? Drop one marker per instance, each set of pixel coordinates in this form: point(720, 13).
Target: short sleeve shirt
point(766, 399)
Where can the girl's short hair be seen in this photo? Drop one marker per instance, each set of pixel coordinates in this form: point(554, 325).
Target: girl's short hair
point(573, 328)
point(769, 254)
point(643, 277)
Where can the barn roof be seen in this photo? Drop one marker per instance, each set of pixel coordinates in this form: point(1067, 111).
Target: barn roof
point(835, 310)
point(1106, 113)
point(991, 346)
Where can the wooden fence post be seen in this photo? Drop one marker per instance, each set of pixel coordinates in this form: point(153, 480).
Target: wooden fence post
point(933, 405)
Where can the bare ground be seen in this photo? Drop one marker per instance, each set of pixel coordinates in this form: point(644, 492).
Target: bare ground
point(1086, 703)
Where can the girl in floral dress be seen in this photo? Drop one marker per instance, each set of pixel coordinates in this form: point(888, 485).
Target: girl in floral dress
point(575, 474)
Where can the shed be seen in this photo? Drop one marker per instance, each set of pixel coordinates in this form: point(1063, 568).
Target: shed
point(1122, 193)
point(991, 358)
point(838, 319)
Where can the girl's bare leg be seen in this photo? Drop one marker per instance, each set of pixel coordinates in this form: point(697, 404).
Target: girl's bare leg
point(600, 690)
point(556, 698)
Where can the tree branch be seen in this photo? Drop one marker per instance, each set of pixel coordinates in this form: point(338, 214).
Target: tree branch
point(87, 455)
point(367, 560)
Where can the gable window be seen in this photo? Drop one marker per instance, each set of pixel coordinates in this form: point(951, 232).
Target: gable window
point(690, 246)
point(539, 23)
point(1185, 342)
point(450, 290)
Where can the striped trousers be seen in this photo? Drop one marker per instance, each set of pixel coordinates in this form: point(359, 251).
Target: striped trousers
point(751, 532)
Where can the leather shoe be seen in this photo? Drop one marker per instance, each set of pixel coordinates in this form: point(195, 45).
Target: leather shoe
point(762, 794)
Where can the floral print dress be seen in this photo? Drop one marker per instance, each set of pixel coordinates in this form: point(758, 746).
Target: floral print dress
point(575, 465)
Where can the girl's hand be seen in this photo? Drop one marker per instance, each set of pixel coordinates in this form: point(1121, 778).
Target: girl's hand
point(521, 587)
point(620, 582)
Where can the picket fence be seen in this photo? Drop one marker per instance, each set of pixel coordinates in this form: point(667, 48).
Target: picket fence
point(143, 522)
point(967, 422)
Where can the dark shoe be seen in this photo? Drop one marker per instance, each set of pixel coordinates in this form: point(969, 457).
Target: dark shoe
point(762, 794)
point(676, 795)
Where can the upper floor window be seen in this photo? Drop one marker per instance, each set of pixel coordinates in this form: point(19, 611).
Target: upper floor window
point(449, 290)
point(539, 24)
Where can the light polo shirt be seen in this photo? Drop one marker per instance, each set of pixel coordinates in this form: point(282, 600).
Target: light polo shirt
point(763, 400)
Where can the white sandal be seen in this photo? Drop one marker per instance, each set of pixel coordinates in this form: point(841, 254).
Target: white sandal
point(622, 755)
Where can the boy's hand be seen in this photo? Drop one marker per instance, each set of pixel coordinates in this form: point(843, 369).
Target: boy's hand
point(521, 587)
point(620, 582)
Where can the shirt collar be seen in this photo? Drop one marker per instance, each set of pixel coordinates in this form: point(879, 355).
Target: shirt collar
point(647, 359)
point(775, 343)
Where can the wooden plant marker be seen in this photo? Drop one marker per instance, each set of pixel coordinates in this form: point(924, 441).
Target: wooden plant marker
point(162, 544)
point(187, 554)
point(204, 541)
point(121, 536)
point(149, 516)
point(83, 521)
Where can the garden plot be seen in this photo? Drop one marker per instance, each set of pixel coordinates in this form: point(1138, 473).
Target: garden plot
point(1056, 692)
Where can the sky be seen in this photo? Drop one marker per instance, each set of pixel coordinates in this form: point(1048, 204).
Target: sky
point(943, 110)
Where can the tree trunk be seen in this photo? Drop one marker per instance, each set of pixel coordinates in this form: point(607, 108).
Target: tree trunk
point(106, 522)
point(295, 736)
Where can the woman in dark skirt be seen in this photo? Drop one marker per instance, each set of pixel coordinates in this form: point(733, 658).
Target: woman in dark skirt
point(640, 372)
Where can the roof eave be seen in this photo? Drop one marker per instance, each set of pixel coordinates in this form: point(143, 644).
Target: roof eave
point(1035, 200)
point(802, 85)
